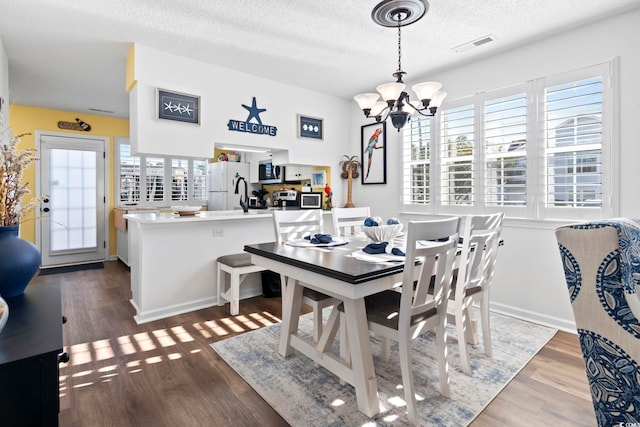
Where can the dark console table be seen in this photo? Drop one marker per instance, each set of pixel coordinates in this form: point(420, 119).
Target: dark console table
point(30, 350)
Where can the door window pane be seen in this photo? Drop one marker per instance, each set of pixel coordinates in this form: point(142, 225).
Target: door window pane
point(73, 199)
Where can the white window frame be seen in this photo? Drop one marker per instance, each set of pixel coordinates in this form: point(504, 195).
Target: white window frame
point(535, 152)
point(167, 176)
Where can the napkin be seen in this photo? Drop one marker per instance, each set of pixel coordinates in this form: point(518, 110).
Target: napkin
point(381, 248)
point(317, 239)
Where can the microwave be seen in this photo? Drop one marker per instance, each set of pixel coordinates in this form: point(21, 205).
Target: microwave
point(311, 200)
point(268, 173)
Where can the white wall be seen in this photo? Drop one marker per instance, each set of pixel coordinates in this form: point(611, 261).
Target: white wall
point(222, 93)
point(4, 88)
point(529, 281)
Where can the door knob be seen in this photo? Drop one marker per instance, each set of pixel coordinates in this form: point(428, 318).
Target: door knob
point(46, 209)
point(46, 200)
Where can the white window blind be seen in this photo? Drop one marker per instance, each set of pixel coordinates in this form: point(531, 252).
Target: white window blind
point(456, 156)
point(505, 137)
point(155, 179)
point(129, 177)
point(199, 180)
point(573, 143)
point(416, 161)
point(179, 179)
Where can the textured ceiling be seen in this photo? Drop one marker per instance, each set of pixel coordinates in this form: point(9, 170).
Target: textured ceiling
point(70, 54)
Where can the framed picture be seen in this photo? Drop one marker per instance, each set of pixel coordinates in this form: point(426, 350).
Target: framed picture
point(318, 179)
point(179, 107)
point(310, 127)
point(374, 153)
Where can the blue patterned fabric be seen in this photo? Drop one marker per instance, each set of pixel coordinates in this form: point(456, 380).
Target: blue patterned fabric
point(616, 279)
point(572, 272)
point(610, 349)
point(629, 247)
point(613, 378)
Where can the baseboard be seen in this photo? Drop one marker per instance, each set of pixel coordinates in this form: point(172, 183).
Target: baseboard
point(151, 315)
point(533, 317)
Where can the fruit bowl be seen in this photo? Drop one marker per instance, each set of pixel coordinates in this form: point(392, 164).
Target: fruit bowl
point(383, 233)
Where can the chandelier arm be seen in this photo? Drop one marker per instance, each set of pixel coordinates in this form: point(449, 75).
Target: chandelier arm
point(432, 111)
point(379, 118)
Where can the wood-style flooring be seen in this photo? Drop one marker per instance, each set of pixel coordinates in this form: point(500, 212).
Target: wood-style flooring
point(164, 373)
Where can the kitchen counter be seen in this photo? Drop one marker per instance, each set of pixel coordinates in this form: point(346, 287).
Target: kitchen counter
point(173, 259)
point(203, 216)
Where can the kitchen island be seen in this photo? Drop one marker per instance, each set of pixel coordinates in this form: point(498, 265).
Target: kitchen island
point(173, 258)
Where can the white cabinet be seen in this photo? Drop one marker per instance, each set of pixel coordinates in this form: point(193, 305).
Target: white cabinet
point(122, 235)
point(297, 173)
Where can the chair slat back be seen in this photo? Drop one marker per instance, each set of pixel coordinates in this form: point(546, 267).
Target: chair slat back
point(437, 258)
point(296, 224)
point(480, 240)
point(349, 221)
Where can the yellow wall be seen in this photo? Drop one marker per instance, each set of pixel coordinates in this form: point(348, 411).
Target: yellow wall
point(30, 119)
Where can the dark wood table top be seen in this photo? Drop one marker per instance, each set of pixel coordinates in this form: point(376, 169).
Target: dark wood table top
point(35, 324)
point(335, 262)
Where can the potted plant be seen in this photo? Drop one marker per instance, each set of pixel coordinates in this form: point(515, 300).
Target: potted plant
point(19, 259)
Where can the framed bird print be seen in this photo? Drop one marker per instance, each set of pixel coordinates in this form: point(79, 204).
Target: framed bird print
point(374, 153)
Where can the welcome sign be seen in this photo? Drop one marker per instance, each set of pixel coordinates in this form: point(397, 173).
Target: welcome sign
point(252, 127)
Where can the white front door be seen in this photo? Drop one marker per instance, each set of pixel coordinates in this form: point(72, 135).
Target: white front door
point(72, 223)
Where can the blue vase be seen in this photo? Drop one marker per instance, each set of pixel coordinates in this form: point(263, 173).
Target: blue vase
point(19, 262)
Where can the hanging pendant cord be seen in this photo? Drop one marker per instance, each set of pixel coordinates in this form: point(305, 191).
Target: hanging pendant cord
point(399, 43)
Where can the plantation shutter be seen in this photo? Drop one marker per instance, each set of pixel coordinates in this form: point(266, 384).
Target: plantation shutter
point(505, 137)
point(573, 143)
point(155, 179)
point(199, 180)
point(416, 161)
point(456, 156)
point(179, 179)
point(129, 175)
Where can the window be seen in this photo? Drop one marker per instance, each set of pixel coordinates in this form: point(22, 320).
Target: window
point(505, 144)
point(573, 139)
point(165, 179)
point(456, 156)
point(129, 175)
point(416, 162)
point(540, 150)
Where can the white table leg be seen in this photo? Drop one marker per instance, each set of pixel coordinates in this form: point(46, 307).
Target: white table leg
point(291, 303)
point(365, 383)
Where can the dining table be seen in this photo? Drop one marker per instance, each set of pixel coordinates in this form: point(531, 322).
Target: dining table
point(338, 271)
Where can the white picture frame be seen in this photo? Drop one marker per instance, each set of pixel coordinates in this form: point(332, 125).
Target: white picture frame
point(318, 179)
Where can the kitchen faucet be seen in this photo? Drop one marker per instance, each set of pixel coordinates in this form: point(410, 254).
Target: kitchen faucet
point(245, 204)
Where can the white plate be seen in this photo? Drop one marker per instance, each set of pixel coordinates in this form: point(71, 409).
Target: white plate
point(304, 243)
point(186, 208)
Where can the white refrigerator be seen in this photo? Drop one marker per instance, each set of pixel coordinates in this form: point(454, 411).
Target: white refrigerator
point(221, 184)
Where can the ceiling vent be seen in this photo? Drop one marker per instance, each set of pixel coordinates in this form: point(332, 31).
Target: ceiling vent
point(475, 43)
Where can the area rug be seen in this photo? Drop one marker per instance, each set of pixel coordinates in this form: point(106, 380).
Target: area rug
point(306, 395)
point(71, 268)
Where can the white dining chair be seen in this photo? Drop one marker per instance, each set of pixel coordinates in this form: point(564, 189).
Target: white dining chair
point(405, 315)
point(296, 224)
point(349, 221)
point(481, 236)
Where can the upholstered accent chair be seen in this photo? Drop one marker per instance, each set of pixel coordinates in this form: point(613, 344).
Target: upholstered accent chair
point(601, 261)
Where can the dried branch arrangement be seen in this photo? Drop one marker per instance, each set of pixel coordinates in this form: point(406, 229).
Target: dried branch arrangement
point(13, 163)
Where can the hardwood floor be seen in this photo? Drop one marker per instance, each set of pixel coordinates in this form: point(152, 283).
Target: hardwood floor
point(164, 373)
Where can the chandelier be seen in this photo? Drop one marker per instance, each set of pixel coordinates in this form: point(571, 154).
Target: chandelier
point(395, 101)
